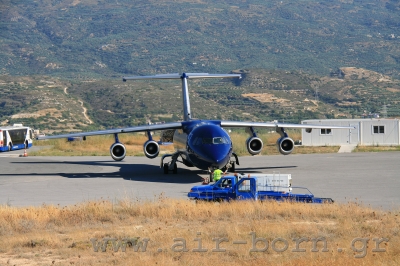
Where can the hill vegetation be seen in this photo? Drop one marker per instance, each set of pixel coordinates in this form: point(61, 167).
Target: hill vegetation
point(61, 61)
point(59, 105)
point(83, 39)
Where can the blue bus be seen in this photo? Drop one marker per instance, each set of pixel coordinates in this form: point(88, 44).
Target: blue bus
point(15, 137)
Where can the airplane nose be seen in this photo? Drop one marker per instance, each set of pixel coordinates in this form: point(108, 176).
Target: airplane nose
point(216, 155)
point(210, 145)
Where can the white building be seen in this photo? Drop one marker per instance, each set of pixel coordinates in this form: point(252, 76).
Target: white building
point(368, 132)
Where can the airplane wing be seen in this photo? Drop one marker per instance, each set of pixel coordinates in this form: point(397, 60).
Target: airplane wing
point(174, 125)
point(278, 125)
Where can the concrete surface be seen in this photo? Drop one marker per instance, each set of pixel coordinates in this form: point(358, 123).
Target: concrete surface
point(368, 178)
point(347, 148)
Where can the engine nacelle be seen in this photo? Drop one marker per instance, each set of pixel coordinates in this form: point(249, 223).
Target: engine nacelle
point(118, 151)
point(254, 145)
point(285, 145)
point(151, 149)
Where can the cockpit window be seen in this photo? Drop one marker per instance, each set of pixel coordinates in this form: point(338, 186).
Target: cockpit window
point(218, 140)
point(207, 141)
point(215, 140)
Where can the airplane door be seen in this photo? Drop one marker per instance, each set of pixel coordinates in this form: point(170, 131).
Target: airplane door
point(353, 134)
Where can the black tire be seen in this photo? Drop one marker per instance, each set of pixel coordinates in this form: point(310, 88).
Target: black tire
point(175, 170)
point(166, 168)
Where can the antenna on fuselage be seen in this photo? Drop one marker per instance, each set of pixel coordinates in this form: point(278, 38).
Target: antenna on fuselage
point(185, 91)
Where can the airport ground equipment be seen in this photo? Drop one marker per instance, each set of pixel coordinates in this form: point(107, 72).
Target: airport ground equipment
point(15, 137)
point(254, 187)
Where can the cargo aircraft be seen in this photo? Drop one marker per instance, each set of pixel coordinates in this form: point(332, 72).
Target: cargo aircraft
point(204, 144)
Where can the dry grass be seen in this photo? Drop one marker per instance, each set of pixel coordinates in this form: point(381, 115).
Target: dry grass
point(62, 235)
point(95, 146)
point(100, 145)
point(376, 148)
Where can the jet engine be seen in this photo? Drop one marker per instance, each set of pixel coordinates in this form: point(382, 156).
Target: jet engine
point(118, 151)
point(285, 145)
point(151, 149)
point(254, 145)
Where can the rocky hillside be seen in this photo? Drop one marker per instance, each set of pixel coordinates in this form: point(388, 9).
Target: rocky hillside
point(82, 39)
point(54, 104)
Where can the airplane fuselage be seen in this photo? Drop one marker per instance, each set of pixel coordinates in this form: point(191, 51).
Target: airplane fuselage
point(203, 144)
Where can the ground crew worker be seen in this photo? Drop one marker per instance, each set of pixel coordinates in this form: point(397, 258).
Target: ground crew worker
point(217, 174)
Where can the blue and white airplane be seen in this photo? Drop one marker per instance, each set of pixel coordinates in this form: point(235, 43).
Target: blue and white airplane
point(204, 144)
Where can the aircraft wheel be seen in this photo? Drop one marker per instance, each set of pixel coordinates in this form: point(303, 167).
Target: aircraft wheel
point(175, 169)
point(166, 168)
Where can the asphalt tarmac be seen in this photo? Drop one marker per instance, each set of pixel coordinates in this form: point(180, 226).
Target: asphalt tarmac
point(366, 178)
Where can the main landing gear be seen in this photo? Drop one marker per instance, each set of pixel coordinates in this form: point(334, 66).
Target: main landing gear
point(171, 166)
point(167, 168)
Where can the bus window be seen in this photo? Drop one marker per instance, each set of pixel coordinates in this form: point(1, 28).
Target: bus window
point(17, 135)
point(5, 138)
point(2, 139)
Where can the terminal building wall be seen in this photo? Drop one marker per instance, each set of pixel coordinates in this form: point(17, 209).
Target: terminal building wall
point(368, 132)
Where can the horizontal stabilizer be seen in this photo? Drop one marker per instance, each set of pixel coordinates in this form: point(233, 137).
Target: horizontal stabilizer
point(206, 75)
point(160, 76)
point(184, 75)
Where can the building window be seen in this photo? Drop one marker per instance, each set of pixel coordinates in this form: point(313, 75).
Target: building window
point(326, 131)
point(379, 129)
